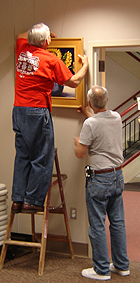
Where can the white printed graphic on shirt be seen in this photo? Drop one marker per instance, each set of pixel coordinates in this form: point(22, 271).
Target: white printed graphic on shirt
point(27, 64)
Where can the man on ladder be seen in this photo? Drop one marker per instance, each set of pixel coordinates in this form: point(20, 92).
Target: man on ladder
point(36, 71)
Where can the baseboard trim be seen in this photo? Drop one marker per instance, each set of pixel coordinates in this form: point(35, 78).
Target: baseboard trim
point(80, 249)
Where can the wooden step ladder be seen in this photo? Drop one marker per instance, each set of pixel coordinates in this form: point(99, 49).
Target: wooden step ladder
point(61, 209)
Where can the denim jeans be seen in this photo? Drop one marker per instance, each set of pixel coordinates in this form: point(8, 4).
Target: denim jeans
point(104, 197)
point(34, 143)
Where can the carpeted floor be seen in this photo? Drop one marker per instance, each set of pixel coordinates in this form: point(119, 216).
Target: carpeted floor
point(58, 269)
point(21, 265)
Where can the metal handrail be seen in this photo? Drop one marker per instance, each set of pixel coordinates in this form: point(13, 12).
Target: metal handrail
point(129, 109)
point(134, 56)
point(131, 97)
point(131, 158)
point(130, 116)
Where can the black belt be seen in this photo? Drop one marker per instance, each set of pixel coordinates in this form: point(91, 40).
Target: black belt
point(105, 170)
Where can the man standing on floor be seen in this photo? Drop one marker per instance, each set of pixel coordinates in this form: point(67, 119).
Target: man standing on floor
point(36, 71)
point(101, 136)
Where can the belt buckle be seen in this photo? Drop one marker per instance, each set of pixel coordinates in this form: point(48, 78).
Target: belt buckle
point(87, 171)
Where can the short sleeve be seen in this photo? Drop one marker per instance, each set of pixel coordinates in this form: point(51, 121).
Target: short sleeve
point(61, 73)
point(86, 134)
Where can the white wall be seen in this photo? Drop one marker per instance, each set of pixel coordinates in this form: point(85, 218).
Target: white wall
point(6, 94)
point(92, 20)
point(120, 83)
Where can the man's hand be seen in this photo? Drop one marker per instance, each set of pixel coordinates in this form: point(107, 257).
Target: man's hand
point(76, 140)
point(53, 34)
point(85, 111)
point(84, 59)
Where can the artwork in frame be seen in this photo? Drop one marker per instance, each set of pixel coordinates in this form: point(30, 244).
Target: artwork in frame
point(67, 49)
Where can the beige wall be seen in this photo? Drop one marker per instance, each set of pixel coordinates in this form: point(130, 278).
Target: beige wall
point(92, 20)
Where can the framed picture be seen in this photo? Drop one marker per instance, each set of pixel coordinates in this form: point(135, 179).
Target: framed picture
point(67, 49)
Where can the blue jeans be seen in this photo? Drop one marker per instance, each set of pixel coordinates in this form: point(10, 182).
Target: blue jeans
point(104, 196)
point(34, 143)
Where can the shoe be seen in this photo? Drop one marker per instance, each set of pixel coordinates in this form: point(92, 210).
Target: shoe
point(16, 207)
point(118, 271)
point(90, 273)
point(30, 208)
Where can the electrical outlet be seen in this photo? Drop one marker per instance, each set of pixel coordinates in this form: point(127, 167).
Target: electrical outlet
point(73, 213)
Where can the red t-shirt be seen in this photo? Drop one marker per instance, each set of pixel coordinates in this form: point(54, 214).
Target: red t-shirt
point(36, 71)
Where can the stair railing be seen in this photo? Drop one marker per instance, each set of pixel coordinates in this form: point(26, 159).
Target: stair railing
point(131, 158)
point(134, 97)
point(131, 128)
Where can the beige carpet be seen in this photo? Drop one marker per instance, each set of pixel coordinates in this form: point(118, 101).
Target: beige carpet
point(58, 269)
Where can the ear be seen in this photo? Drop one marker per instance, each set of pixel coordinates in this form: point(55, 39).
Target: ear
point(89, 104)
point(47, 43)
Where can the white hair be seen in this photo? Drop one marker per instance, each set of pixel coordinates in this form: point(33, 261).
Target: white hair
point(38, 35)
point(98, 96)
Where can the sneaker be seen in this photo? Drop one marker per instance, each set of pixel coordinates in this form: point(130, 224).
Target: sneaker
point(118, 271)
point(90, 273)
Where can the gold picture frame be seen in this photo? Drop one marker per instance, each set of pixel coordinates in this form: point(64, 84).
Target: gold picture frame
point(68, 48)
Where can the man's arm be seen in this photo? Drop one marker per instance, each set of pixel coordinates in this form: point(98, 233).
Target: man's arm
point(76, 79)
point(85, 111)
point(80, 149)
point(23, 35)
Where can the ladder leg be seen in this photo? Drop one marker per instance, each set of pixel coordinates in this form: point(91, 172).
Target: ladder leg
point(44, 233)
point(33, 230)
point(7, 236)
point(68, 231)
point(64, 204)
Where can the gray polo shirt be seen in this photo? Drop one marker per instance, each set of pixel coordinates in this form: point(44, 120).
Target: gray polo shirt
point(103, 134)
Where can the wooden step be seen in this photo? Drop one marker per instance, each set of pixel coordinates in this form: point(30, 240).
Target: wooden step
point(21, 243)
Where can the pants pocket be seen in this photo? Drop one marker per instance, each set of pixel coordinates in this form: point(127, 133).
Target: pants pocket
point(119, 185)
point(100, 189)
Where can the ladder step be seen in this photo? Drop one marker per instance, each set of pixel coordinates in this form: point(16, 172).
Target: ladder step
point(59, 210)
point(63, 177)
point(52, 209)
point(21, 243)
point(60, 238)
point(52, 237)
